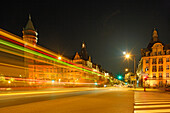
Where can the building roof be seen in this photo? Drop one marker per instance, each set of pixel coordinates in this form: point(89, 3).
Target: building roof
point(154, 40)
point(29, 25)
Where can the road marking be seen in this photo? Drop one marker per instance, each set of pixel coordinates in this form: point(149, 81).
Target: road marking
point(149, 102)
point(153, 111)
point(141, 103)
point(151, 106)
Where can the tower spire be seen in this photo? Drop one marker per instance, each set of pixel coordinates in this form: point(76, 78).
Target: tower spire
point(29, 17)
point(155, 35)
point(84, 53)
point(29, 32)
point(29, 25)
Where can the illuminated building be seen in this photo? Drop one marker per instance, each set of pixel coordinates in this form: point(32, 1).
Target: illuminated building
point(84, 59)
point(22, 59)
point(154, 64)
point(48, 70)
point(29, 36)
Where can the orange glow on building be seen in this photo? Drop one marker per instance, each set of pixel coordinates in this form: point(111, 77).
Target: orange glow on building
point(34, 64)
point(155, 63)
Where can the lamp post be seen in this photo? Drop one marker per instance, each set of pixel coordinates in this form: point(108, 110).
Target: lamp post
point(127, 56)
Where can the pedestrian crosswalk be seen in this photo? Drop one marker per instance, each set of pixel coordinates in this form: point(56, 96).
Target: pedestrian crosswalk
point(151, 102)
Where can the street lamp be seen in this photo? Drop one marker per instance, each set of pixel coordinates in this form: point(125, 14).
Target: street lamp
point(128, 56)
point(59, 58)
point(126, 69)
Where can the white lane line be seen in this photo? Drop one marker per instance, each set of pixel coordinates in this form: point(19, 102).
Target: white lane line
point(153, 111)
point(140, 103)
point(152, 101)
point(151, 106)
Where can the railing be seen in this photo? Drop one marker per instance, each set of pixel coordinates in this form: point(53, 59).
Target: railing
point(154, 62)
point(160, 62)
point(160, 70)
point(154, 70)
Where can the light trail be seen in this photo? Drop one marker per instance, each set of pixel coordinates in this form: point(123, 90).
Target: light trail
point(19, 40)
point(45, 56)
point(44, 53)
point(16, 43)
point(12, 52)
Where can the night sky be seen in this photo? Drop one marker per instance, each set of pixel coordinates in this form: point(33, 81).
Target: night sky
point(107, 27)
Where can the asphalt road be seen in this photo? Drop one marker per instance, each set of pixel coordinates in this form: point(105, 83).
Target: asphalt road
point(99, 100)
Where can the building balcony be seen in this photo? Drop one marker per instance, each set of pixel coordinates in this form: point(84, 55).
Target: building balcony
point(160, 62)
point(154, 77)
point(160, 78)
point(160, 70)
point(154, 63)
point(154, 70)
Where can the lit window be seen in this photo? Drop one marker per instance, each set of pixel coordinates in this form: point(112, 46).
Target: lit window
point(153, 61)
point(161, 68)
point(167, 67)
point(154, 68)
point(154, 75)
point(160, 75)
point(160, 61)
point(167, 75)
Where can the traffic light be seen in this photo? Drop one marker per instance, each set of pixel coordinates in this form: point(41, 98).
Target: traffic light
point(119, 77)
point(145, 77)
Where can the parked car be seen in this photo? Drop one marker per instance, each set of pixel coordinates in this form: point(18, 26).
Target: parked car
point(130, 85)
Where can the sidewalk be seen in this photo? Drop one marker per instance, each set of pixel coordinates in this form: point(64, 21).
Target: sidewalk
point(147, 90)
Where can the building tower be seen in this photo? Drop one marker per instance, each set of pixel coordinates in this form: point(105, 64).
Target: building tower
point(29, 33)
point(29, 36)
point(155, 35)
point(84, 53)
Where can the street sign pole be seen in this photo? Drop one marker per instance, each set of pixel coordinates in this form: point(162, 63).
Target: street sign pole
point(144, 86)
point(145, 77)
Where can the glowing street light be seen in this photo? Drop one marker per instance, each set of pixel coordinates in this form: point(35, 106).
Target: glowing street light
point(59, 58)
point(127, 55)
point(126, 70)
point(124, 52)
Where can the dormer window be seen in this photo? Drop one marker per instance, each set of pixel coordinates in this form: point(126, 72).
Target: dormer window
point(159, 53)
